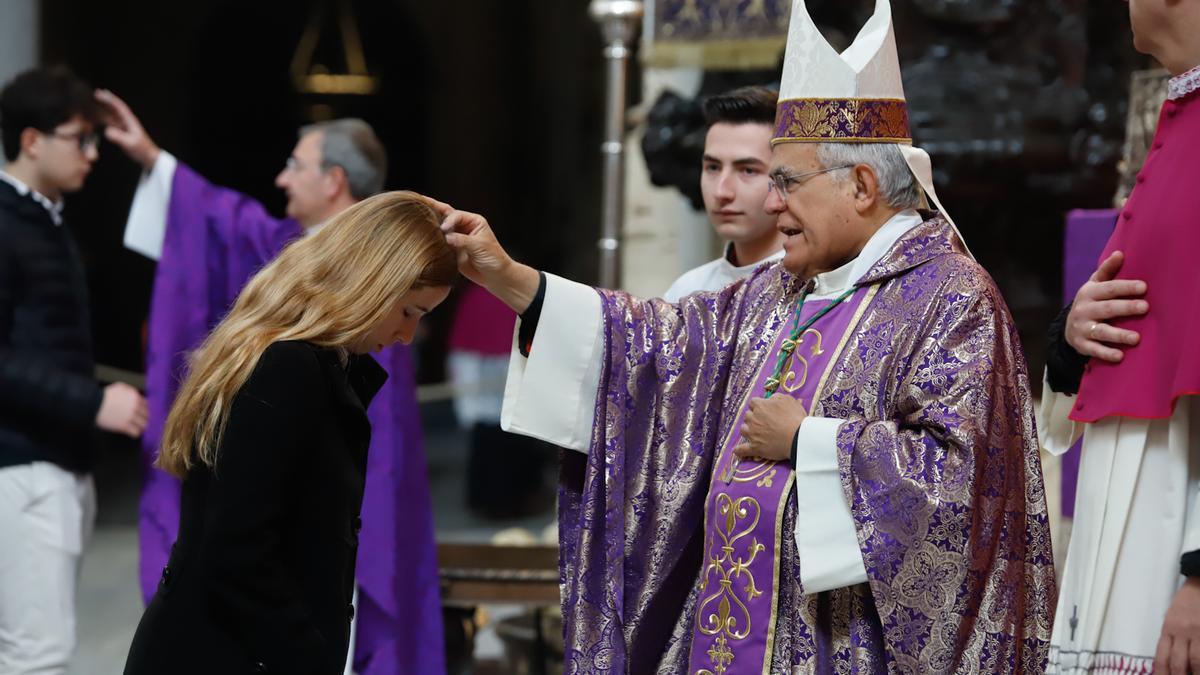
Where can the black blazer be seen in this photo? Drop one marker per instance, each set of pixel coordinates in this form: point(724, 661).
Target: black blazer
point(261, 576)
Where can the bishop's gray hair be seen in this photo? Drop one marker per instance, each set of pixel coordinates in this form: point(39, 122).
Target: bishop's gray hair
point(897, 185)
point(352, 144)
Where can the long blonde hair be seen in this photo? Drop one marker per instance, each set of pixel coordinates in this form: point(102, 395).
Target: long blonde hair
point(330, 289)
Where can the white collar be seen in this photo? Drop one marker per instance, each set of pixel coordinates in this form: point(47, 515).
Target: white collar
point(777, 255)
point(53, 207)
point(307, 231)
point(836, 281)
point(1183, 84)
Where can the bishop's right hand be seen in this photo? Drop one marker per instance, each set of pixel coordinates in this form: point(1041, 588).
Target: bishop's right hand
point(124, 130)
point(483, 260)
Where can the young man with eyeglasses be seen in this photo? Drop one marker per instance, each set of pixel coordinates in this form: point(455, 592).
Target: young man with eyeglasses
point(734, 183)
point(50, 402)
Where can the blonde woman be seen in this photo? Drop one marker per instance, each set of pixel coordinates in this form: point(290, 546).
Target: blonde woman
point(269, 434)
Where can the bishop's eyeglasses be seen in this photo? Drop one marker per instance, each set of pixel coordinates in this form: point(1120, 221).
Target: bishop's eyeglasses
point(784, 181)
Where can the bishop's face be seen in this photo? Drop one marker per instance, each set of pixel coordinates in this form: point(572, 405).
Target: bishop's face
point(816, 214)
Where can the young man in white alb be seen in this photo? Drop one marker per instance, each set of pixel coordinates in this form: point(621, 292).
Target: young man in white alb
point(733, 180)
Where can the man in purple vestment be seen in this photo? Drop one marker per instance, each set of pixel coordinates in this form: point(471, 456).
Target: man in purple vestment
point(828, 467)
point(208, 241)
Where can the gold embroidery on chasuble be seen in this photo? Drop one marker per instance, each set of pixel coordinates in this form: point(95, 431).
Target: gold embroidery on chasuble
point(737, 607)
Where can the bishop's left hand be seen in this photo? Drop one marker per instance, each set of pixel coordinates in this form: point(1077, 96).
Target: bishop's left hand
point(769, 427)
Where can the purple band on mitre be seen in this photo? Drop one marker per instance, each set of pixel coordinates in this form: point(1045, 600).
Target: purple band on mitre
point(853, 120)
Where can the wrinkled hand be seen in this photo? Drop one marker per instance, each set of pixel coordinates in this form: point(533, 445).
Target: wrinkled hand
point(769, 427)
point(123, 410)
point(123, 130)
point(1179, 646)
point(1103, 298)
point(483, 260)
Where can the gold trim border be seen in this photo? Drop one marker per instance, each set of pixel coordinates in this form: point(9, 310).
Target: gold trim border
point(841, 139)
point(720, 54)
point(715, 473)
point(833, 359)
point(783, 322)
point(854, 321)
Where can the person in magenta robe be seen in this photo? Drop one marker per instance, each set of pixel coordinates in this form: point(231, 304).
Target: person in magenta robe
point(1127, 345)
point(830, 466)
point(208, 241)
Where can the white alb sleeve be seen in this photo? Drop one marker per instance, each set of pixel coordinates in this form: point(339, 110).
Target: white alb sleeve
point(1056, 430)
point(552, 394)
point(826, 537)
point(147, 223)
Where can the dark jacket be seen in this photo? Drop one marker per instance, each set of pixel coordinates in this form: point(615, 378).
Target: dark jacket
point(49, 396)
point(261, 576)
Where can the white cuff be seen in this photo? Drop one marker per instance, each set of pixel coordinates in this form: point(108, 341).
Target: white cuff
point(147, 223)
point(1057, 431)
point(826, 536)
point(552, 394)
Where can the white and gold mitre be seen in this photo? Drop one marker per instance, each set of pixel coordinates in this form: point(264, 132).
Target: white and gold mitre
point(856, 96)
point(853, 97)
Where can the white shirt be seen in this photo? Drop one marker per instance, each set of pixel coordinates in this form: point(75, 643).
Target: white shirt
point(713, 275)
point(54, 208)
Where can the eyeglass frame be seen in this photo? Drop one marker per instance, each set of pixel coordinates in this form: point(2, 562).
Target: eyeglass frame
point(85, 140)
point(783, 182)
point(293, 165)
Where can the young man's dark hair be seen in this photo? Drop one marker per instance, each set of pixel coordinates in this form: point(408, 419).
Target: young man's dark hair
point(746, 104)
point(42, 99)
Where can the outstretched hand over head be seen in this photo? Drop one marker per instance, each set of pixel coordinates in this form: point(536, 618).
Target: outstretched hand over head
point(124, 130)
point(483, 260)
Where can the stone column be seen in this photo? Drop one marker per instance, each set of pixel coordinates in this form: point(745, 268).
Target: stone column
point(664, 236)
point(18, 38)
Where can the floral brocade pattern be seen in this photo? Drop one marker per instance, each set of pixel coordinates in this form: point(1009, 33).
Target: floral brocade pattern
point(851, 119)
point(938, 459)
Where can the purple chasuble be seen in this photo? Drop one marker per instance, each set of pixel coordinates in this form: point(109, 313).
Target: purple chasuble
point(739, 581)
point(215, 240)
point(938, 459)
